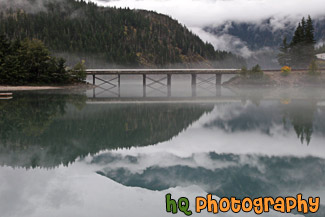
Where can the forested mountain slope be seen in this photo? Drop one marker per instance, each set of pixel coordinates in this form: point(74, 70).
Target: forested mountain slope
point(116, 36)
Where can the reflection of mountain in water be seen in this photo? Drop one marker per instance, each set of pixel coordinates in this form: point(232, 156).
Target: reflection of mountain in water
point(47, 130)
point(302, 116)
point(227, 174)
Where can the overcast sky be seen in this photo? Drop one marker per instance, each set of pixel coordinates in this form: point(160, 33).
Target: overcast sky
point(197, 14)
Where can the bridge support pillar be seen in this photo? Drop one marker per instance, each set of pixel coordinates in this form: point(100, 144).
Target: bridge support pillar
point(218, 79)
point(94, 79)
point(193, 85)
point(218, 84)
point(119, 85)
point(193, 79)
point(144, 76)
point(169, 85)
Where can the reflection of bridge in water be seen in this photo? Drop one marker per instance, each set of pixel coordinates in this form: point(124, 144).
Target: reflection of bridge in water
point(144, 100)
point(178, 100)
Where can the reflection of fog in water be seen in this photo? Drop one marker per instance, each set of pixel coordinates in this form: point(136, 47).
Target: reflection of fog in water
point(220, 174)
point(271, 118)
point(124, 158)
point(237, 150)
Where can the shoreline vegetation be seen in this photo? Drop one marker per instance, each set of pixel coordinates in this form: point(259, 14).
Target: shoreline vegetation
point(29, 62)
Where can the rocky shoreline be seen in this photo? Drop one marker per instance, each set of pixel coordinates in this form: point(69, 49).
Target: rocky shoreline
point(276, 79)
point(45, 87)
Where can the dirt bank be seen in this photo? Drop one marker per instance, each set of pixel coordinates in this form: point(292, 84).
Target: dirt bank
point(294, 79)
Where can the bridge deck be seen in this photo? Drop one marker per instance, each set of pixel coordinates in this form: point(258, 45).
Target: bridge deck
point(160, 71)
point(176, 71)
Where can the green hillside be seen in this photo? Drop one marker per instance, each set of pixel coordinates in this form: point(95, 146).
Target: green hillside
point(116, 36)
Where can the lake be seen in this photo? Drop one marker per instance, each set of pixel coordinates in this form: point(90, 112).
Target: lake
point(68, 153)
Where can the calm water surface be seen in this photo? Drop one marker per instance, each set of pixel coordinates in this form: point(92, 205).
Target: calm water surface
point(66, 154)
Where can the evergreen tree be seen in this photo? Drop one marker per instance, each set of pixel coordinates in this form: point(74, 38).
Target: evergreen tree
point(309, 41)
point(301, 51)
point(297, 47)
point(309, 37)
point(303, 29)
point(4, 47)
point(298, 36)
point(284, 56)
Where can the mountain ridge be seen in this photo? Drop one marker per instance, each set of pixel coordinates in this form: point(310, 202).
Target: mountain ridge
point(120, 37)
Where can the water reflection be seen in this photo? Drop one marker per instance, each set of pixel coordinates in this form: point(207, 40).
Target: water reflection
point(47, 130)
point(301, 115)
point(254, 146)
point(226, 175)
point(244, 150)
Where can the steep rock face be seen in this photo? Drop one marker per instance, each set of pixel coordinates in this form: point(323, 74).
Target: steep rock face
point(116, 36)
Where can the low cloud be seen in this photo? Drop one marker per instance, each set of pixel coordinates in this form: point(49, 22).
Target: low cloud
point(29, 6)
point(200, 13)
point(224, 41)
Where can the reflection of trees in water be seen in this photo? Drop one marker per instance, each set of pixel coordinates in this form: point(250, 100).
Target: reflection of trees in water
point(31, 115)
point(47, 130)
point(299, 115)
point(25, 119)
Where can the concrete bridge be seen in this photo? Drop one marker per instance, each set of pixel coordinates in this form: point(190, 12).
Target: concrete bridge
point(115, 81)
point(167, 72)
point(148, 80)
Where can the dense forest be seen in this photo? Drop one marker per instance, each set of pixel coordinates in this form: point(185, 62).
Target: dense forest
point(118, 36)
